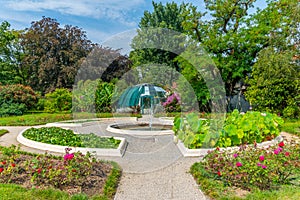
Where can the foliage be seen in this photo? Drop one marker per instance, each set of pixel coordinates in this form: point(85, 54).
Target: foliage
point(3, 132)
point(172, 104)
point(251, 167)
point(238, 129)
point(9, 54)
point(84, 96)
point(103, 97)
point(34, 119)
point(275, 84)
point(59, 100)
point(63, 137)
point(233, 37)
point(83, 173)
point(16, 99)
point(52, 54)
point(249, 128)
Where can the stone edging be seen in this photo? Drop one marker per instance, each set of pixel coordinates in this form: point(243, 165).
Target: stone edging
point(111, 129)
point(119, 152)
point(202, 152)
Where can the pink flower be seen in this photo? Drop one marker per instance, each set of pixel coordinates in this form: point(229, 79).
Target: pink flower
point(239, 164)
point(235, 155)
point(276, 151)
point(264, 166)
point(258, 164)
point(69, 156)
point(261, 158)
point(279, 149)
point(281, 144)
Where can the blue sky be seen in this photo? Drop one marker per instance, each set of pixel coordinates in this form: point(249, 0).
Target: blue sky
point(99, 18)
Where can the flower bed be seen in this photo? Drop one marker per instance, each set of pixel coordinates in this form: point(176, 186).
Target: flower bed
point(250, 168)
point(74, 173)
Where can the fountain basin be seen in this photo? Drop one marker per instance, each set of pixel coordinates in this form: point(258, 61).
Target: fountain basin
point(142, 129)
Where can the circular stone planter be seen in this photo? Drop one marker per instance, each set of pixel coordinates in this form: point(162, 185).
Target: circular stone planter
point(119, 152)
point(141, 129)
point(186, 152)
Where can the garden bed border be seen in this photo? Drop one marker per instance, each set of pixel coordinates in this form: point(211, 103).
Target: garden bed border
point(119, 152)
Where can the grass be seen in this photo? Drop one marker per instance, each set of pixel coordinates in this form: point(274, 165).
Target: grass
point(34, 118)
point(292, 126)
point(3, 132)
point(217, 190)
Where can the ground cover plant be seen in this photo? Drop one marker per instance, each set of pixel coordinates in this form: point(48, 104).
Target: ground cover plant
point(255, 171)
point(74, 173)
point(60, 136)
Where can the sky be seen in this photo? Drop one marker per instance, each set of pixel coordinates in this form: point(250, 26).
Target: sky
point(101, 19)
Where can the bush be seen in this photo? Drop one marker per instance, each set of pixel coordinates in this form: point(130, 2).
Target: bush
point(172, 104)
point(84, 96)
point(238, 129)
point(16, 99)
point(58, 101)
point(275, 84)
point(103, 97)
point(251, 167)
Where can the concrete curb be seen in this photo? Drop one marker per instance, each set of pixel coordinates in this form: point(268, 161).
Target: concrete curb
point(119, 152)
point(112, 129)
point(186, 152)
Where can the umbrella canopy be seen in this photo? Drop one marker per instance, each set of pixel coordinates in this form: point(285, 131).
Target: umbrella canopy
point(133, 95)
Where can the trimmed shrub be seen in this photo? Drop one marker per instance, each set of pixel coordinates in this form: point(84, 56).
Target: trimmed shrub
point(58, 101)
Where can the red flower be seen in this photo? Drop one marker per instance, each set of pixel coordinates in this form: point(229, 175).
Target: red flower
point(1, 169)
point(13, 164)
point(3, 162)
point(218, 149)
point(219, 173)
point(286, 154)
point(73, 170)
point(261, 158)
point(39, 170)
point(239, 164)
point(281, 144)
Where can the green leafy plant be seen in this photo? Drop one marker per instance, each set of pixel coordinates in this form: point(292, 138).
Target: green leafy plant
point(63, 137)
point(3, 132)
point(103, 97)
point(58, 101)
point(238, 129)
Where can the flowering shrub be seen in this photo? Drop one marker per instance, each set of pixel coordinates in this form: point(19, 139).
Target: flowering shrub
point(16, 99)
point(73, 170)
point(172, 104)
point(251, 167)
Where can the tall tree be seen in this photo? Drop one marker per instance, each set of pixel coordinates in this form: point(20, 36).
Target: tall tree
point(52, 54)
point(234, 38)
point(9, 54)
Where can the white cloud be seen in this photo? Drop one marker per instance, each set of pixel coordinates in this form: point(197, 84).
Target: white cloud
point(106, 9)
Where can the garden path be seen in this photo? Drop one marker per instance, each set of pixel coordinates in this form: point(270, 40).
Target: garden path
point(153, 167)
